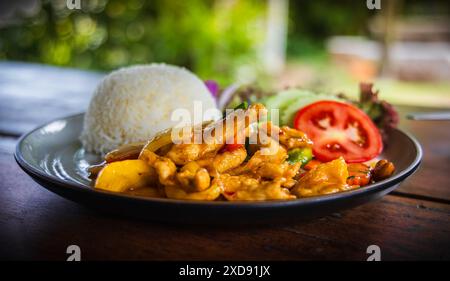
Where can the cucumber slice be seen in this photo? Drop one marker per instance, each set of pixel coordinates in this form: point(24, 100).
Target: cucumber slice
point(288, 114)
point(284, 98)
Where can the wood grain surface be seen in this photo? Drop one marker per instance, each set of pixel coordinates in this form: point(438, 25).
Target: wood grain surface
point(411, 223)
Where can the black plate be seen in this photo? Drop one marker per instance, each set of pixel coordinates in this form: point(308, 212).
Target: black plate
point(53, 157)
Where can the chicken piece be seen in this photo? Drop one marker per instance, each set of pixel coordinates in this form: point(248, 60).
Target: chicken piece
point(121, 176)
point(292, 138)
point(212, 193)
point(274, 155)
point(264, 165)
point(244, 187)
point(215, 136)
point(202, 179)
point(326, 178)
point(195, 147)
point(192, 177)
point(290, 173)
point(258, 109)
point(285, 175)
point(288, 137)
point(229, 160)
point(164, 167)
point(182, 154)
point(267, 170)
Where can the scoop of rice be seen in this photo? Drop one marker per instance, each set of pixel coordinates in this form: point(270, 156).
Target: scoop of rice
point(134, 103)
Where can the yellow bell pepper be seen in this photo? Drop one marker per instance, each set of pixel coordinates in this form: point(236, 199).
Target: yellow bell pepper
point(124, 175)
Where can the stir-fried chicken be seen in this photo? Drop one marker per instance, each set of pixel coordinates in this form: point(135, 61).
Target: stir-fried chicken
point(223, 167)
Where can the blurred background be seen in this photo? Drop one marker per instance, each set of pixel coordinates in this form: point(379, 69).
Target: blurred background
point(327, 45)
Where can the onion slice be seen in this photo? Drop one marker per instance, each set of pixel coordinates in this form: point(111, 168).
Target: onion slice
point(159, 140)
point(125, 152)
point(226, 95)
point(94, 170)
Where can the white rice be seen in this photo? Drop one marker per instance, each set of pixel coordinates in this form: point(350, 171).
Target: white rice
point(134, 103)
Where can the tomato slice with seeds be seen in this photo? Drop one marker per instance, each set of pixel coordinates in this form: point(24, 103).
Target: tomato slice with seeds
point(339, 129)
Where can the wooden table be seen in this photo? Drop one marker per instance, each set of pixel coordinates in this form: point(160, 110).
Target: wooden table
point(411, 223)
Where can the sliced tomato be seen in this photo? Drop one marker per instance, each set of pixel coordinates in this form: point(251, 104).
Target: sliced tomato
point(339, 129)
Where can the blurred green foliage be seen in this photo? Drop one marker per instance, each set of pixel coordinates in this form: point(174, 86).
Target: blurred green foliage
point(213, 38)
point(311, 22)
point(218, 39)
